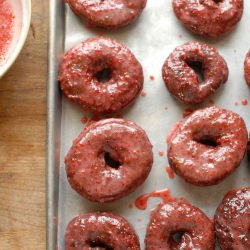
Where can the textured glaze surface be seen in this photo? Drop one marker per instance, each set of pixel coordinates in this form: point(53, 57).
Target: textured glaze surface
point(232, 220)
point(89, 174)
point(100, 231)
point(247, 68)
point(179, 217)
point(181, 79)
point(109, 14)
point(202, 164)
point(209, 17)
point(81, 65)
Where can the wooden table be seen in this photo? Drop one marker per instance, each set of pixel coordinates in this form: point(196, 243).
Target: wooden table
point(22, 146)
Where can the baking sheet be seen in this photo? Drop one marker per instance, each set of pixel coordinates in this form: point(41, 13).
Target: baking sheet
point(152, 38)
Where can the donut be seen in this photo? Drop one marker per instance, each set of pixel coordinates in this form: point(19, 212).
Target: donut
point(211, 18)
point(179, 225)
point(101, 75)
point(99, 231)
point(232, 220)
point(181, 79)
point(247, 68)
point(208, 146)
point(108, 14)
point(109, 160)
point(248, 151)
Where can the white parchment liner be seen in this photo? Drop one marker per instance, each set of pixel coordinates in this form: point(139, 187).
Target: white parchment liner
point(152, 38)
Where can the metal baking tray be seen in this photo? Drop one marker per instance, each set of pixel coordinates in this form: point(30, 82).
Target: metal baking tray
point(54, 108)
point(152, 38)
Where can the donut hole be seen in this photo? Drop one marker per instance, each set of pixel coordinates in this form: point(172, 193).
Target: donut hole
point(176, 239)
point(98, 245)
point(198, 69)
point(104, 75)
point(209, 141)
point(177, 236)
point(111, 162)
point(218, 1)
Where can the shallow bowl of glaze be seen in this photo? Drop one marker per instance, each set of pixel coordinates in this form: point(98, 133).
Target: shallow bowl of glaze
point(19, 30)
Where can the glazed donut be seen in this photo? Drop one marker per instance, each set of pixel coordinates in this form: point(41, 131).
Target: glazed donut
point(247, 68)
point(100, 231)
point(211, 18)
point(248, 151)
point(181, 79)
point(208, 146)
point(232, 220)
point(82, 73)
point(108, 14)
point(179, 225)
point(109, 160)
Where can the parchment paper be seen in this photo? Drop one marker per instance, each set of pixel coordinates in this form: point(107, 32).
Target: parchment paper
point(152, 38)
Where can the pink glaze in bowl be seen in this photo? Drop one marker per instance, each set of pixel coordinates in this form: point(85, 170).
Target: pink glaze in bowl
point(22, 13)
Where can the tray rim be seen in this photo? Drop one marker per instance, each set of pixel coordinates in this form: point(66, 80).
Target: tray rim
point(57, 15)
point(53, 126)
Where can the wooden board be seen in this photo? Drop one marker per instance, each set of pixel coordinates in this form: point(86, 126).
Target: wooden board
point(22, 143)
